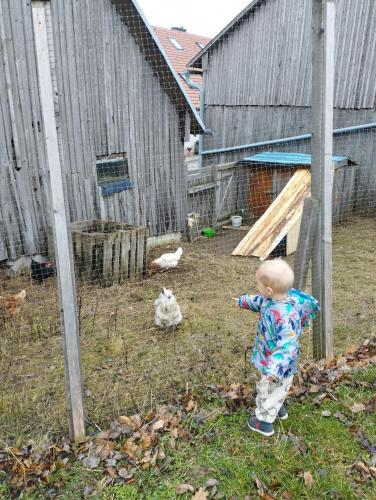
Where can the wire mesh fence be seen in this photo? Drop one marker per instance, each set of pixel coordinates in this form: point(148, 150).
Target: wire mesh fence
point(127, 133)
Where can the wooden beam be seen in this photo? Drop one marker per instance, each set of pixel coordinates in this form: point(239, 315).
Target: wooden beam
point(323, 48)
point(63, 253)
point(308, 229)
point(278, 219)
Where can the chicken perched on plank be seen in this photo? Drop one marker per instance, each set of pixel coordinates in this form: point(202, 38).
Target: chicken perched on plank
point(9, 305)
point(168, 260)
point(167, 310)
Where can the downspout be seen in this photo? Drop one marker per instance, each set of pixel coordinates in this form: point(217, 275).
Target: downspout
point(202, 113)
point(187, 78)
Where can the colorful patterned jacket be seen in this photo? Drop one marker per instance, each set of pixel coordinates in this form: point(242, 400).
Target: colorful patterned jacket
point(281, 322)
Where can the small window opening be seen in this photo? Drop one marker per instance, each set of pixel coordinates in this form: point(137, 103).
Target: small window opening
point(176, 44)
point(113, 174)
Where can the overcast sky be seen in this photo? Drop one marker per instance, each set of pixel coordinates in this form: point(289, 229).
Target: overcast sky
point(201, 17)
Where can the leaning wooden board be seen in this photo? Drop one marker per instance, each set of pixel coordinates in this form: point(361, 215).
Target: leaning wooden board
point(279, 218)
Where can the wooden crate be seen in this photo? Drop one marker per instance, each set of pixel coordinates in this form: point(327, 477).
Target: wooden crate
point(108, 252)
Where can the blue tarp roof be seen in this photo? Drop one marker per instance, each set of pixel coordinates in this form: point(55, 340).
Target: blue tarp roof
point(273, 157)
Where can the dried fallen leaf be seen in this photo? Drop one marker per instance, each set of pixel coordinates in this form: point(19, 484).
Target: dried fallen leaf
point(124, 420)
point(314, 388)
point(124, 474)
point(308, 480)
point(183, 488)
point(357, 407)
point(286, 495)
point(92, 462)
point(341, 362)
point(200, 494)
point(159, 424)
point(146, 441)
point(191, 405)
point(351, 349)
point(210, 483)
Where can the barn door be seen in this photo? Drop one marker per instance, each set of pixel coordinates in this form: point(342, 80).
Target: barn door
point(261, 190)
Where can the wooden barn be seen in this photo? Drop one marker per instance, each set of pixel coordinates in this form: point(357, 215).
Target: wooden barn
point(257, 89)
point(121, 117)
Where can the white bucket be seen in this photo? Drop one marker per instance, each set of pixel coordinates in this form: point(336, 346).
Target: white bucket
point(236, 220)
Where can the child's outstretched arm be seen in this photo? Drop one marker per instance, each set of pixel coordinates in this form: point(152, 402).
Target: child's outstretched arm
point(250, 302)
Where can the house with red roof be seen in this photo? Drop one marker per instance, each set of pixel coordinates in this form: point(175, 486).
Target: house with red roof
point(180, 47)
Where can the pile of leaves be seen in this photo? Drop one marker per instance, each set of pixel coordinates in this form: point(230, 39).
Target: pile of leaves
point(131, 443)
point(314, 378)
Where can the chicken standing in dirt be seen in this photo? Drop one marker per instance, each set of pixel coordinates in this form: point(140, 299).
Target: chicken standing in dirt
point(168, 260)
point(167, 310)
point(10, 304)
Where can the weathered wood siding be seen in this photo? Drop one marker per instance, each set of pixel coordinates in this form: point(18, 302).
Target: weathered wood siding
point(258, 83)
point(108, 100)
point(218, 192)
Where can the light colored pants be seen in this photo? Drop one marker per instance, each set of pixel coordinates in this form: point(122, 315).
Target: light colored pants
point(270, 398)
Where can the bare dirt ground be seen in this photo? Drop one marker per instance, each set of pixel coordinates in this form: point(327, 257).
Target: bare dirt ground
point(129, 364)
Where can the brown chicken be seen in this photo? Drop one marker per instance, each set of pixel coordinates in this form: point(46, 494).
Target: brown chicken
point(9, 305)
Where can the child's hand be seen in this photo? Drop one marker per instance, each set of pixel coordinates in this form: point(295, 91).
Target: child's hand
point(236, 299)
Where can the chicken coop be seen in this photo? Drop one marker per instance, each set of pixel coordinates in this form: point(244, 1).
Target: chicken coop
point(277, 186)
point(269, 172)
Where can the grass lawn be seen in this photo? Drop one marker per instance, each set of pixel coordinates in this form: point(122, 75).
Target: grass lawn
point(223, 449)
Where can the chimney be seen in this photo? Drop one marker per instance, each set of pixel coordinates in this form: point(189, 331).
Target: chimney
point(177, 28)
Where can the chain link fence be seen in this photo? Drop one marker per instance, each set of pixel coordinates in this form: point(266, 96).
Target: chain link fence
point(145, 172)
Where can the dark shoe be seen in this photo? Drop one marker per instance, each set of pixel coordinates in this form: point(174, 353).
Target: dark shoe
point(282, 414)
point(263, 428)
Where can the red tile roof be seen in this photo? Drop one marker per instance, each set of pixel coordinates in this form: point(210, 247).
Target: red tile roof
point(180, 58)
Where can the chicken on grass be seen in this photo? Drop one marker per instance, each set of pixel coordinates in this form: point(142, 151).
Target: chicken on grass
point(167, 310)
point(169, 260)
point(10, 304)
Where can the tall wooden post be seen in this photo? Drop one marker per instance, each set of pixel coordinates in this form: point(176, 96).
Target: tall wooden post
point(323, 46)
point(63, 253)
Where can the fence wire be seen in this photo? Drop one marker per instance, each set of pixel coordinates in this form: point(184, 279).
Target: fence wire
point(142, 180)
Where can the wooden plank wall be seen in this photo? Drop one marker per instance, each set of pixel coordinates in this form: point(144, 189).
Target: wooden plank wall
point(359, 146)
point(267, 57)
point(108, 100)
point(269, 97)
point(218, 192)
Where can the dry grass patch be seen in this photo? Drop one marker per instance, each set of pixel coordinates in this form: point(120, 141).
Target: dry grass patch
point(129, 364)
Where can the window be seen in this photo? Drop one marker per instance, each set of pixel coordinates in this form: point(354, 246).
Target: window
point(112, 173)
point(201, 45)
point(176, 44)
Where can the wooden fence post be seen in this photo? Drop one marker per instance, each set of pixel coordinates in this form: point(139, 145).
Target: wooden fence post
point(62, 238)
point(323, 47)
point(307, 233)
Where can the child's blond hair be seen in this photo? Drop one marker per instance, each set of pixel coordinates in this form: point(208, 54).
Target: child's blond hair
point(276, 274)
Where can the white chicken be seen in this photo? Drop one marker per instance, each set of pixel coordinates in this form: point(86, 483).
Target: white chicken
point(169, 260)
point(167, 310)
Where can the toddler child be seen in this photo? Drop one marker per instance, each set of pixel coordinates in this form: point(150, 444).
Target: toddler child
point(283, 312)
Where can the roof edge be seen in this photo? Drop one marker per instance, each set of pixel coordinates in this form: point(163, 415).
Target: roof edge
point(237, 19)
point(188, 104)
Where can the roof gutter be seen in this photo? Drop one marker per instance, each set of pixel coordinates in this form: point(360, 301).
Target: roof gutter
point(285, 140)
point(187, 78)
